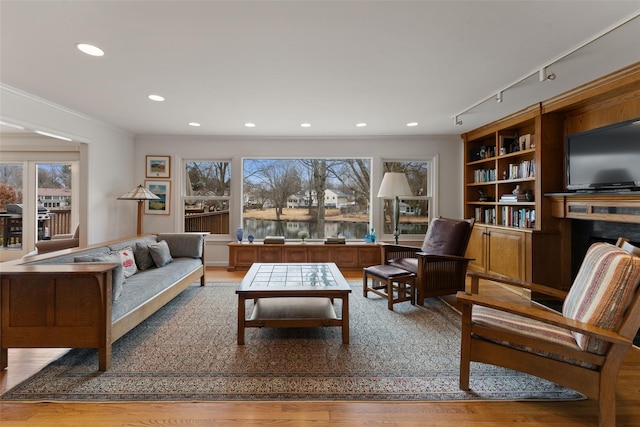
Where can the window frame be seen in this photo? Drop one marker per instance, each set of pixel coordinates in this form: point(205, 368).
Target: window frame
point(186, 198)
point(431, 196)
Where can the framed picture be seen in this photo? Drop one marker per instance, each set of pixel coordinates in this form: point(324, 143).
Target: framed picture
point(158, 166)
point(161, 189)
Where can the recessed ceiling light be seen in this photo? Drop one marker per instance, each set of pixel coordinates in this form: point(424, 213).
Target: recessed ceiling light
point(90, 49)
point(361, 125)
point(157, 98)
point(250, 125)
point(412, 124)
point(305, 125)
point(194, 124)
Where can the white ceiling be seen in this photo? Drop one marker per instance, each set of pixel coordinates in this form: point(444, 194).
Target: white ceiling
point(329, 63)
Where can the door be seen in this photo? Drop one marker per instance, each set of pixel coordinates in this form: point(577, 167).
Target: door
point(506, 253)
point(36, 201)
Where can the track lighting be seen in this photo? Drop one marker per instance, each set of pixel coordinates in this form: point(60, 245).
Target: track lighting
point(499, 97)
point(457, 121)
point(544, 76)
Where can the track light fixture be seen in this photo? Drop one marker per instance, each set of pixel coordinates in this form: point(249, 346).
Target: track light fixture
point(544, 76)
point(499, 97)
point(457, 121)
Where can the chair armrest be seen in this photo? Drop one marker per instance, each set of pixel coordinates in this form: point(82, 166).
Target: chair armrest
point(62, 236)
point(542, 315)
point(441, 258)
point(390, 251)
point(534, 287)
point(45, 246)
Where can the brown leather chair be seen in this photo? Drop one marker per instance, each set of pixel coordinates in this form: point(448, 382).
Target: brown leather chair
point(59, 241)
point(582, 347)
point(439, 265)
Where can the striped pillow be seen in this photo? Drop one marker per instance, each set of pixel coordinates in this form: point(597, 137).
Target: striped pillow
point(602, 291)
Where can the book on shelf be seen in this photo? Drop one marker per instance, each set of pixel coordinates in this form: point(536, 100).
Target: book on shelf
point(518, 217)
point(511, 198)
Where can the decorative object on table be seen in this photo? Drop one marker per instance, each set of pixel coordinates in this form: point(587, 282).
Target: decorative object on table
point(250, 238)
point(274, 240)
point(303, 235)
point(484, 197)
point(395, 185)
point(336, 240)
point(158, 166)
point(140, 194)
point(239, 234)
point(161, 206)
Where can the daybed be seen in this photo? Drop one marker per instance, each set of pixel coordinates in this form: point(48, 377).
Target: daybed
point(80, 297)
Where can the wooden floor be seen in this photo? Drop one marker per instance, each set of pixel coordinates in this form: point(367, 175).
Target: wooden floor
point(25, 362)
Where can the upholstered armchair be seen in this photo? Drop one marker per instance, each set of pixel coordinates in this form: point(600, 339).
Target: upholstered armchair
point(439, 265)
point(59, 241)
point(582, 347)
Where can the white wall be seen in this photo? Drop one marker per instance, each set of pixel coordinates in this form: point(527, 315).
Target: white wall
point(106, 159)
point(447, 149)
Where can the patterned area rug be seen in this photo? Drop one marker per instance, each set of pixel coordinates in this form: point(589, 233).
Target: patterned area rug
point(187, 351)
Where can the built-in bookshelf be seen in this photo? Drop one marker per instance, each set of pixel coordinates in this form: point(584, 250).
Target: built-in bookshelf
point(505, 162)
point(500, 173)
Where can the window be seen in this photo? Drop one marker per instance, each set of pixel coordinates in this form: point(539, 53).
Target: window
point(206, 195)
point(414, 211)
point(280, 197)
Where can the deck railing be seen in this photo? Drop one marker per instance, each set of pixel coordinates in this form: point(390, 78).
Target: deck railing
point(59, 222)
point(216, 222)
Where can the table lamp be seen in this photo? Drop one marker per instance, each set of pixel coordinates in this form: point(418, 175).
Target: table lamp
point(395, 185)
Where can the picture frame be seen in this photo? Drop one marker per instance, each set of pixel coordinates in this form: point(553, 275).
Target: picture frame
point(161, 189)
point(158, 166)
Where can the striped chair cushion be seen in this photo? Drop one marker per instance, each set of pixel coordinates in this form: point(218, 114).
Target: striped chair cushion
point(497, 319)
point(602, 291)
point(527, 328)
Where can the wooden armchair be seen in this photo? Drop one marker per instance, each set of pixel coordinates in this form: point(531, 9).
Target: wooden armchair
point(439, 265)
point(581, 348)
point(59, 242)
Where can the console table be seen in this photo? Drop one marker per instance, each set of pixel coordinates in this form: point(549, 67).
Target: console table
point(623, 207)
point(348, 256)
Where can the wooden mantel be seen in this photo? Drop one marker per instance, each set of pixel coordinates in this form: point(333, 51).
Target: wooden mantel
point(597, 207)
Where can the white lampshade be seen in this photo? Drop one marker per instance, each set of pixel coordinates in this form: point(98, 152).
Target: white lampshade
point(394, 184)
point(138, 193)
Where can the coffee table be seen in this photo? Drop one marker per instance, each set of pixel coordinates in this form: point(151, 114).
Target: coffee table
point(293, 295)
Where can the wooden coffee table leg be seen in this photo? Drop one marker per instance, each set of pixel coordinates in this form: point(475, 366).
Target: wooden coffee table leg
point(241, 319)
point(345, 319)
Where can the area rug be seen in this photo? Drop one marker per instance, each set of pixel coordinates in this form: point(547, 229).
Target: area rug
point(187, 351)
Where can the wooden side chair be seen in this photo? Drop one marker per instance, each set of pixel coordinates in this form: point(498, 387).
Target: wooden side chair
point(439, 265)
point(582, 347)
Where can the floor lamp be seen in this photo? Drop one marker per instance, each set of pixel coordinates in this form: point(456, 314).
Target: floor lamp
point(140, 194)
point(395, 185)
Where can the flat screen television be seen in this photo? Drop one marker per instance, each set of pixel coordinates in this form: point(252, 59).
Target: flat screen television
point(606, 158)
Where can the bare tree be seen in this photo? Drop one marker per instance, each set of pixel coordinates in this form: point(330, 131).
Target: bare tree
point(209, 178)
point(281, 179)
point(355, 176)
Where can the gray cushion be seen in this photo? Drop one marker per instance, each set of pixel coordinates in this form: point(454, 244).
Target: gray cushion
point(293, 308)
point(160, 253)
point(183, 244)
point(117, 280)
point(143, 256)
